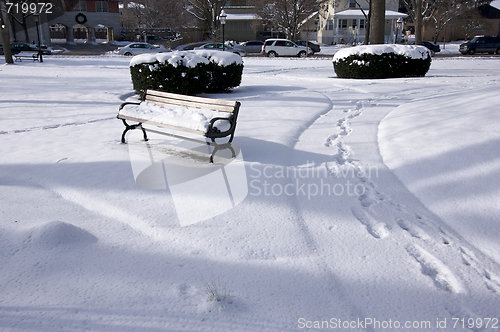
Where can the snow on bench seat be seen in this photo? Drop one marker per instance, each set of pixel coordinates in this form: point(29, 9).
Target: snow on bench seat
point(179, 116)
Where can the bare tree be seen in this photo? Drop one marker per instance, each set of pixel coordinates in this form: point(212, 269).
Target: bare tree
point(154, 14)
point(286, 16)
point(440, 11)
point(207, 13)
point(445, 11)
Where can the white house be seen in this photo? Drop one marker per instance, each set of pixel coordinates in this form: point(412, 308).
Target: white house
point(343, 21)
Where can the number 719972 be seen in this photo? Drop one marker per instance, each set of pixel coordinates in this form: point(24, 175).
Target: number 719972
point(29, 7)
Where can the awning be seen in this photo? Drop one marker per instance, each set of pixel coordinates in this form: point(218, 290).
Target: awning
point(357, 13)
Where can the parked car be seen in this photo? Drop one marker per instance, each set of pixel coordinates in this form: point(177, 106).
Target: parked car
point(284, 47)
point(190, 46)
point(314, 47)
point(24, 47)
point(139, 48)
point(431, 46)
point(219, 47)
point(253, 46)
point(481, 44)
point(12, 52)
point(157, 39)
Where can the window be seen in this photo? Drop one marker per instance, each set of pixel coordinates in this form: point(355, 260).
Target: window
point(330, 24)
point(80, 6)
point(342, 24)
point(280, 43)
point(101, 6)
point(352, 4)
point(354, 23)
point(362, 24)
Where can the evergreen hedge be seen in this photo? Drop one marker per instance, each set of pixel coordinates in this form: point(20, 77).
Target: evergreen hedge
point(367, 65)
point(186, 72)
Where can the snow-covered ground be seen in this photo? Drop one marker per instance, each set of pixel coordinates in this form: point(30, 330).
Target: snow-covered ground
point(371, 205)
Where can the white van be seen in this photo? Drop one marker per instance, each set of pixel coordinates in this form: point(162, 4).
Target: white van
point(284, 47)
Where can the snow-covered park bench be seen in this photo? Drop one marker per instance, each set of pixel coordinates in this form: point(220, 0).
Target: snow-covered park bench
point(211, 118)
point(32, 56)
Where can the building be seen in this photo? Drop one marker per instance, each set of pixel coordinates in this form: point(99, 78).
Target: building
point(343, 21)
point(70, 21)
point(242, 23)
point(483, 21)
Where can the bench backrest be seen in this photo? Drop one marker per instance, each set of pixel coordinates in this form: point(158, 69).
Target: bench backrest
point(165, 98)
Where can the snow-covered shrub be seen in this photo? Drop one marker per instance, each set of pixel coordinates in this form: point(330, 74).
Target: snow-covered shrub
point(382, 61)
point(186, 72)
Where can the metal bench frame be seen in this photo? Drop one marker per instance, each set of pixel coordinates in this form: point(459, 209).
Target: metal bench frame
point(34, 57)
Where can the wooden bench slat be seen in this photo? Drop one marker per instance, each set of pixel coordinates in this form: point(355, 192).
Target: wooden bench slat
point(164, 101)
point(202, 100)
point(192, 131)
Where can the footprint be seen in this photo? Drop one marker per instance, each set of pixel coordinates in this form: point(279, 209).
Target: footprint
point(330, 140)
point(440, 274)
point(377, 229)
point(492, 282)
point(344, 153)
point(414, 230)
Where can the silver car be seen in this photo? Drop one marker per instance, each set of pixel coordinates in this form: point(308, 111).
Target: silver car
point(253, 46)
point(140, 48)
point(218, 47)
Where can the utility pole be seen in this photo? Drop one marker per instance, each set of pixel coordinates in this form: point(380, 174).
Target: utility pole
point(4, 26)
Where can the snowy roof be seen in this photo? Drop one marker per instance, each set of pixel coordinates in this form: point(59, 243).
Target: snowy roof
point(308, 18)
point(495, 4)
point(240, 17)
point(357, 13)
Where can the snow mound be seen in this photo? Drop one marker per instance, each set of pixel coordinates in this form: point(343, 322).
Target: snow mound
point(412, 51)
point(57, 233)
point(189, 58)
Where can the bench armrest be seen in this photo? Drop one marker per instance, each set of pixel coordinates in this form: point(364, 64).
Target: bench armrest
point(211, 124)
point(128, 103)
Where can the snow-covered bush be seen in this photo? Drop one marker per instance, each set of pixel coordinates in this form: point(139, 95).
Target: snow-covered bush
point(186, 72)
point(382, 61)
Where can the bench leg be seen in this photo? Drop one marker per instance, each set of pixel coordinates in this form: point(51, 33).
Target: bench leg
point(132, 127)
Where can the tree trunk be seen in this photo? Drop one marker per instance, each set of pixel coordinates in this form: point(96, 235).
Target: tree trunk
point(418, 22)
point(4, 27)
point(368, 23)
point(377, 22)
